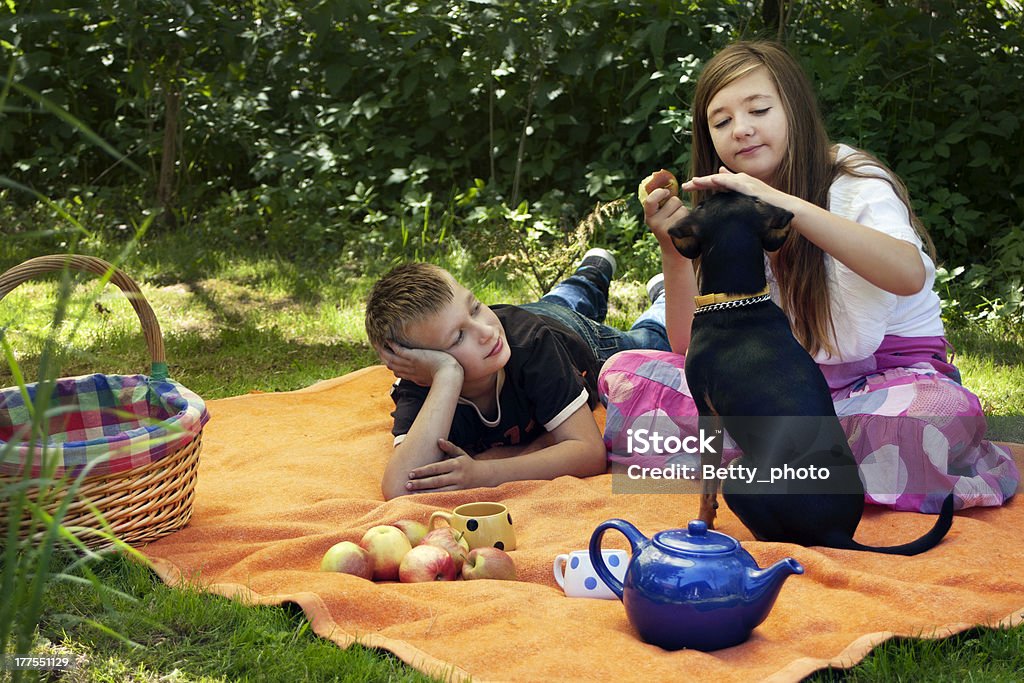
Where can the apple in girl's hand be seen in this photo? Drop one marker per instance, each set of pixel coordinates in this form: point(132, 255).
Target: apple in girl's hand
point(387, 545)
point(451, 540)
point(658, 179)
point(413, 530)
point(427, 563)
point(347, 558)
point(489, 563)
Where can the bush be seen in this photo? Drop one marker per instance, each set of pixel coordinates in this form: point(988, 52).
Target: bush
point(344, 127)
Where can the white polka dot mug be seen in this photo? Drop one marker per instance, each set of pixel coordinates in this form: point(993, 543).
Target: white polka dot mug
point(577, 577)
point(483, 524)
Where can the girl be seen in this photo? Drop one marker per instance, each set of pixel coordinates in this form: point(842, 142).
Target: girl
point(855, 278)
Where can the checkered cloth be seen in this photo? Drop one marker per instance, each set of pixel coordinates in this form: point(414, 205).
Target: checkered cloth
point(112, 423)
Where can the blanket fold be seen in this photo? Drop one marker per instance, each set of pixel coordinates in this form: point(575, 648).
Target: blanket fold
point(284, 476)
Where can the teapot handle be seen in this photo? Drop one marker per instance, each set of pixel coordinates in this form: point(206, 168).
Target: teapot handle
point(631, 533)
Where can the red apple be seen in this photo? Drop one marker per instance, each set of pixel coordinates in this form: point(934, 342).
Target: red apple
point(387, 545)
point(413, 530)
point(427, 563)
point(489, 563)
point(348, 558)
point(451, 540)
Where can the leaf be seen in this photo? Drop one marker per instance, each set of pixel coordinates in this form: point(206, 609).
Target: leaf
point(336, 76)
point(571, 63)
point(980, 153)
point(656, 34)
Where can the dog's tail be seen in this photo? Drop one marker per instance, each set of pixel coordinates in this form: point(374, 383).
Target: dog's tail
point(926, 542)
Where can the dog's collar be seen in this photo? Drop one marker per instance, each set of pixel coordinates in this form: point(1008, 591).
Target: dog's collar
point(713, 302)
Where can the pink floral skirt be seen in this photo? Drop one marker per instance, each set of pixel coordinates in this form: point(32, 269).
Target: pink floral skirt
point(916, 433)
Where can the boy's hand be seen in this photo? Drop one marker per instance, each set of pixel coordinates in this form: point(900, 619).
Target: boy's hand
point(457, 471)
point(418, 365)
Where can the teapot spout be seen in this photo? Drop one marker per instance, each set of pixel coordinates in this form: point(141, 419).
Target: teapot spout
point(763, 586)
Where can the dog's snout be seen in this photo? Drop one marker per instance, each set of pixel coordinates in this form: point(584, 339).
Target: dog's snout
point(784, 219)
point(683, 234)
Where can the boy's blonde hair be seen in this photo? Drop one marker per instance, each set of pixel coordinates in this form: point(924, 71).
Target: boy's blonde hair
point(405, 294)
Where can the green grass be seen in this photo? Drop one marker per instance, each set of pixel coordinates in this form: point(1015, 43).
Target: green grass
point(200, 636)
point(239, 321)
point(977, 655)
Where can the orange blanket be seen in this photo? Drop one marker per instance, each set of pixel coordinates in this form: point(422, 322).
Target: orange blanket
point(285, 476)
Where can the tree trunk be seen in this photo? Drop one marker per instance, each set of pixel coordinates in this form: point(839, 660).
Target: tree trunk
point(774, 14)
point(165, 190)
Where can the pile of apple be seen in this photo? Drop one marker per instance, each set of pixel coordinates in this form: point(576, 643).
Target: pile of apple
point(407, 551)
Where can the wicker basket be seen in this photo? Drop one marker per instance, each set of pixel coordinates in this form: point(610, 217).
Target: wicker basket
point(141, 497)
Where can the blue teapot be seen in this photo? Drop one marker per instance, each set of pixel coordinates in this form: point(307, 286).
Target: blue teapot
point(691, 587)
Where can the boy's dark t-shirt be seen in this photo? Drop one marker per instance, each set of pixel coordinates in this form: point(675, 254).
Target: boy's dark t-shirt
point(550, 374)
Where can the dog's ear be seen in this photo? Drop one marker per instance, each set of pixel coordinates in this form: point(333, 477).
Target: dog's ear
point(684, 237)
point(776, 229)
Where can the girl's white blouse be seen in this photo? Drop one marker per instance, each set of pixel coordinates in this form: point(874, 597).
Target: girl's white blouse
point(862, 313)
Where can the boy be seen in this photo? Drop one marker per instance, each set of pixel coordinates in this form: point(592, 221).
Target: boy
point(479, 385)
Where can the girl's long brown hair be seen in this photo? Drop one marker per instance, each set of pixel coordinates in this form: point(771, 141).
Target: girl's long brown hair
point(807, 170)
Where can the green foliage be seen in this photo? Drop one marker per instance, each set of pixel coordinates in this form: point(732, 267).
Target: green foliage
point(939, 96)
point(358, 129)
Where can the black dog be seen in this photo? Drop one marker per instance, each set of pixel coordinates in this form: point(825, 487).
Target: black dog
point(748, 374)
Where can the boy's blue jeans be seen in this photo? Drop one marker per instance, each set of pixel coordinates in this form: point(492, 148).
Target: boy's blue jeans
point(580, 302)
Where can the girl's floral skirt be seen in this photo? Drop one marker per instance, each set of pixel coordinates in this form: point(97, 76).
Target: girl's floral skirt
point(916, 433)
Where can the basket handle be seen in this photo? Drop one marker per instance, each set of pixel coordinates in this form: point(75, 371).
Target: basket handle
point(90, 264)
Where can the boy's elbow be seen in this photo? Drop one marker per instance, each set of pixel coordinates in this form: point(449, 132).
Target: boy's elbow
point(597, 459)
point(391, 491)
point(392, 487)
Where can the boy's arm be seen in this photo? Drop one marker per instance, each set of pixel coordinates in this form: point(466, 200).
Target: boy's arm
point(433, 422)
point(577, 450)
point(498, 452)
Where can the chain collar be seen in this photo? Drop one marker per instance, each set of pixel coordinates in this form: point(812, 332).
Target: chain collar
point(729, 301)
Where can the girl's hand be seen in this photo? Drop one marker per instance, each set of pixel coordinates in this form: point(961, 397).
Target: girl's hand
point(417, 365)
point(737, 182)
point(891, 264)
point(662, 210)
point(457, 471)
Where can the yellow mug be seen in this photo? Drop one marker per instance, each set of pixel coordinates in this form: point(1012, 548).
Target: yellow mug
point(482, 524)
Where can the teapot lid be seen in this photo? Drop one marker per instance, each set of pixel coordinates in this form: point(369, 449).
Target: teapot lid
point(695, 539)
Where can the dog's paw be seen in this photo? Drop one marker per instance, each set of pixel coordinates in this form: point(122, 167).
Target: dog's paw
point(708, 510)
point(655, 181)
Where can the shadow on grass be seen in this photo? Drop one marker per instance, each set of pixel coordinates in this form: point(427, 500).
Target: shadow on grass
point(239, 346)
point(191, 255)
point(235, 360)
